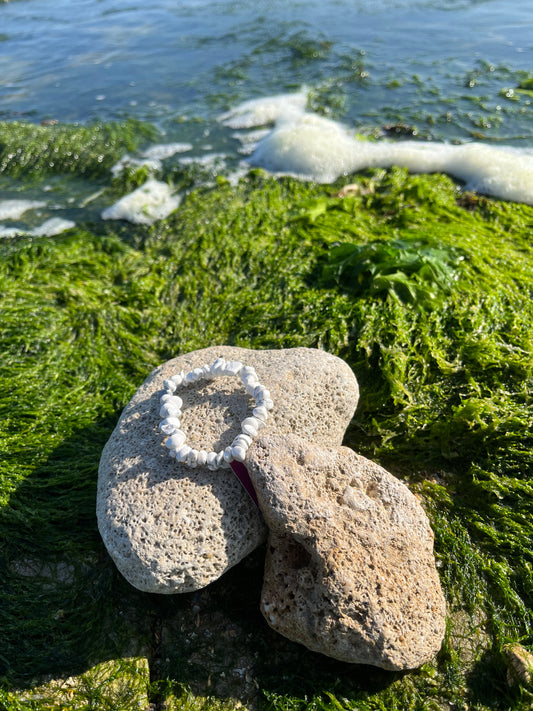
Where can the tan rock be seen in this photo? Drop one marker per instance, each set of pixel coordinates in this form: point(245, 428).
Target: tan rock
point(350, 570)
point(173, 529)
point(519, 664)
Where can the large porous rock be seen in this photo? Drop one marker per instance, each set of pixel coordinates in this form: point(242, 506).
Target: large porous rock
point(350, 570)
point(173, 529)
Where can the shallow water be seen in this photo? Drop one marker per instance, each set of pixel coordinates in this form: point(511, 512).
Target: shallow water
point(437, 70)
point(370, 62)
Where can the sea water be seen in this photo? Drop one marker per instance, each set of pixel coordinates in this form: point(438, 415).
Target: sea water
point(434, 85)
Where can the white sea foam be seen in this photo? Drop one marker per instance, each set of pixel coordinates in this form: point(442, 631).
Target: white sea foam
point(128, 161)
point(250, 139)
point(261, 112)
point(151, 202)
point(53, 226)
point(49, 228)
point(152, 158)
point(210, 160)
point(239, 172)
point(315, 148)
point(160, 151)
point(10, 231)
point(310, 147)
point(14, 209)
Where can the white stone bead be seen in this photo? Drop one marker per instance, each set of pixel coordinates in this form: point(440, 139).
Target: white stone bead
point(260, 412)
point(262, 394)
point(173, 400)
point(169, 410)
point(238, 453)
point(233, 367)
point(212, 460)
point(183, 453)
point(242, 440)
point(176, 440)
point(192, 458)
point(250, 378)
point(169, 425)
point(170, 385)
point(250, 426)
point(202, 458)
point(218, 366)
point(172, 453)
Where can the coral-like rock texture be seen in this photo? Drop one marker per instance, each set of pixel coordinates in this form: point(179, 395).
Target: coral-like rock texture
point(173, 529)
point(350, 570)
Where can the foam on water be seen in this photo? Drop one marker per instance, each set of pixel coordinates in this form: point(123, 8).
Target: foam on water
point(209, 160)
point(160, 151)
point(49, 228)
point(53, 226)
point(261, 112)
point(311, 147)
point(128, 161)
point(151, 202)
point(249, 140)
point(152, 158)
point(10, 231)
point(14, 209)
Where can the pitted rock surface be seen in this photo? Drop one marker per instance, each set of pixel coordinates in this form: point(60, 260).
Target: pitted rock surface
point(172, 529)
point(350, 570)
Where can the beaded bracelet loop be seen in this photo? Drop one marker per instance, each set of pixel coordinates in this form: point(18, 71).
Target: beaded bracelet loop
point(171, 412)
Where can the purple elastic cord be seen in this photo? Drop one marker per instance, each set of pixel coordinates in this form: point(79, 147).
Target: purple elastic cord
point(242, 475)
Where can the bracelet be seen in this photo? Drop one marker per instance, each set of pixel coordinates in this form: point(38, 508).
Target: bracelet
point(171, 412)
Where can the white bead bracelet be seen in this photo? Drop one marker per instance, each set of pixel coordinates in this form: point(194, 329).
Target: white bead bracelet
point(171, 411)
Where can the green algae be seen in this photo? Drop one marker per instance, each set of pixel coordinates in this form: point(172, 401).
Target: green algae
point(413, 271)
point(445, 403)
point(30, 150)
point(109, 686)
point(525, 87)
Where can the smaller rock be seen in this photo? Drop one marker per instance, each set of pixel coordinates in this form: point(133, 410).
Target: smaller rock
point(350, 570)
point(519, 665)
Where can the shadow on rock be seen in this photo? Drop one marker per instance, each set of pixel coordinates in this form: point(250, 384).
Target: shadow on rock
point(216, 642)
point(64, 607)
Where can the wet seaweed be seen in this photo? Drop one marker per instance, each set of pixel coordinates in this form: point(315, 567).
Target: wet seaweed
point(28, 149)
point(445, 404)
